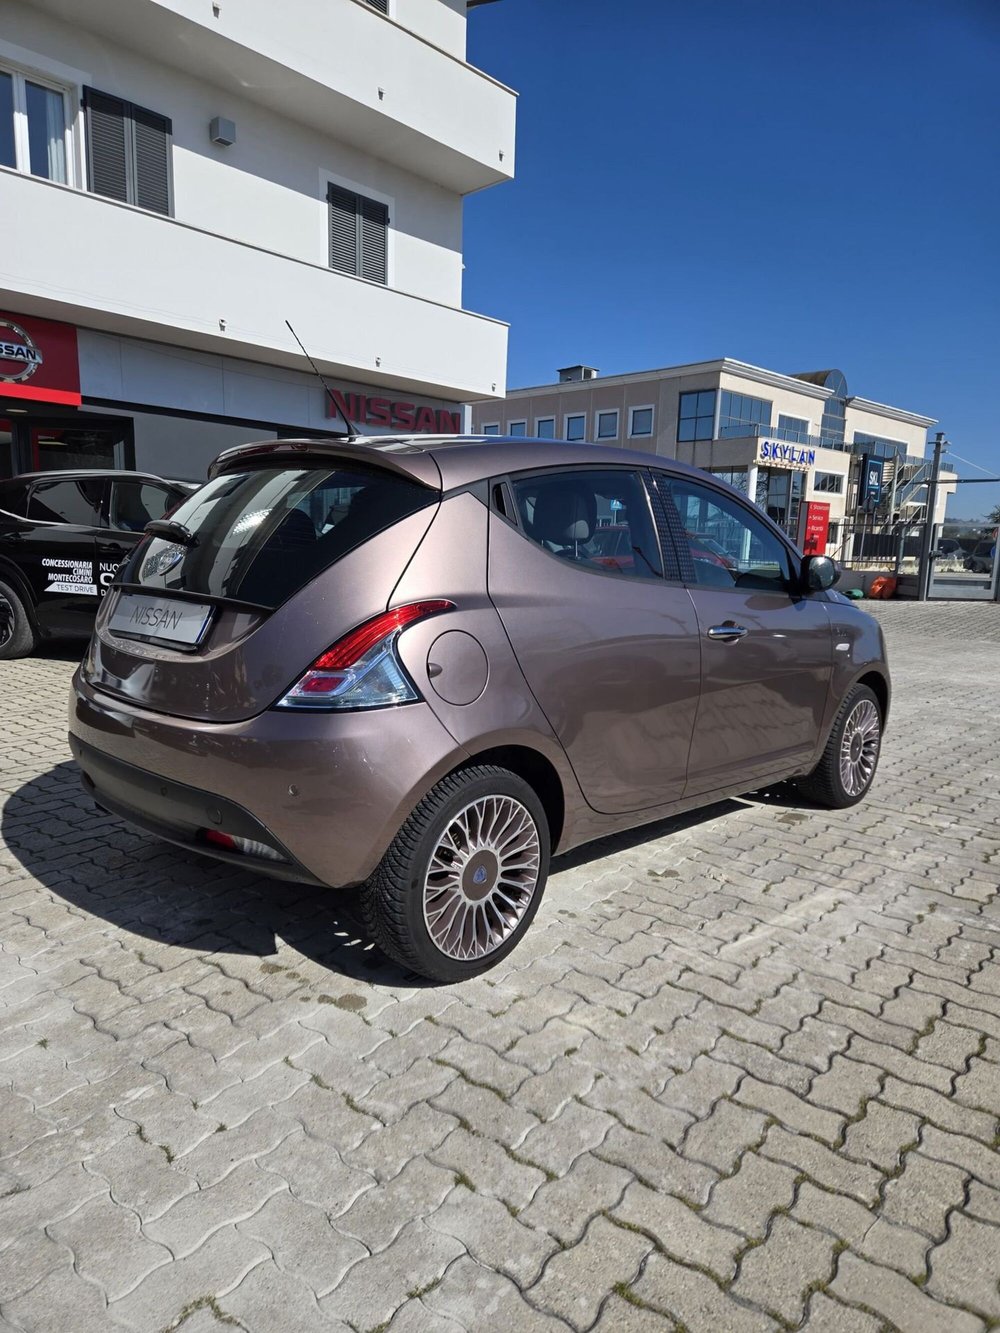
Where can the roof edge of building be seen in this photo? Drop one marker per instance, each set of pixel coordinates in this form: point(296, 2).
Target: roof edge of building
point(893, 413)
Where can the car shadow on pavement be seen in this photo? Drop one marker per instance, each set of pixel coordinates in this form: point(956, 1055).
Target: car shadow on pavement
point(100, 865)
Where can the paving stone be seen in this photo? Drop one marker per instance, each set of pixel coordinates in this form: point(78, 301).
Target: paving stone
point(833, 1170)
point(492, 1236)
point(654, 1164)
point(749, 1198)
point(792, 1111)
point(940, 1110)
point(188, 1223)
point(965, 1269)
point(484, 1113)
point(896, 1299)
point(962, 1152)
point(826, 1315)
point(980, 1087)
point(61, 1300)
point(617, 1313)
point(680, 1232)
point(304, 1241)
point(313, 1172)
point(268, 1298)
point(221, 1151)
point(108, 1247)
point(565, 1207)
point(379, 1214)
point(881, 1136)
point(545, 1095)
point(984, 1202)
point(576, 1281)
point(701, 1087)
point(414, 1317)
point(27, 1260)
point(214, 1269)
point(780, 1274)
point(489, 1167)
point(847, 1085)
point(474, 1297)
point(385, 1151)
point(46, 1203)
point(140, 1178)
point(374, 1289)
point(722, 1138)
point(555, 1146)
point(923, 1195)
point(695, 1301)
point(896, 1247)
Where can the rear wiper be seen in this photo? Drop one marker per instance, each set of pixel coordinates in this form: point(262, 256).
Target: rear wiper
point(172, 531)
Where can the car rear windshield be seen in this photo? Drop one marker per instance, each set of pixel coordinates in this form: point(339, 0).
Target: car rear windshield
point(262, 534)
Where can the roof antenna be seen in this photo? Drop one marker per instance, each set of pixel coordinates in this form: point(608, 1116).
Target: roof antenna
point(352, 431)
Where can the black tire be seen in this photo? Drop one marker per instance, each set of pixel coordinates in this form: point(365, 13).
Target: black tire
point(826, 784)
point(17, 633)
point(392, 900)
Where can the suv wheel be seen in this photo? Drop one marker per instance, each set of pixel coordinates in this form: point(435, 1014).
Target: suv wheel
point(463, 877)
point(17, 634)
point(846, 771)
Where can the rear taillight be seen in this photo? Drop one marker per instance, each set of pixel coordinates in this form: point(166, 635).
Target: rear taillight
point(363, 669)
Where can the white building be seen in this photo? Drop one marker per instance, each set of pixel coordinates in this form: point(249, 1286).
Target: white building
point(782, 439)
point(180, 177)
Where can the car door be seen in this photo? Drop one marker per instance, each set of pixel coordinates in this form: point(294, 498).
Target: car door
point(608, 642)
point(132, 502)
point(56, 551)
point(767, 647)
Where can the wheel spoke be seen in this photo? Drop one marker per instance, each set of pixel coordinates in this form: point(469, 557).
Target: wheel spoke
point(859, 747)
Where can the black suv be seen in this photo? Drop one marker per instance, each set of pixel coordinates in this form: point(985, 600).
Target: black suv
point(62, 537)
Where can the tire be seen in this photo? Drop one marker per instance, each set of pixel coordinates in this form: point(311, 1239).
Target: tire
point(439, 922)
point(17, 634)
point(847, 769)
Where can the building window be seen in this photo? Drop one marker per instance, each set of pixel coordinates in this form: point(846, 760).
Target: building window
point(877, 446)
point(34, 136)
point(696, 416)
point(737, 478)
point(517, 428)
point(545, 428)
point(576, 426)
point(492, 428)
point(128, 152)
point(640, 422)
point(830, 482)
point(737, 411)
point(607, 425)
point(359, 234)
point(793, 429)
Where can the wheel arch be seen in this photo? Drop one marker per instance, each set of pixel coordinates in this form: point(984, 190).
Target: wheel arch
point(9, 573)
point(538, 772)
point(879, 686)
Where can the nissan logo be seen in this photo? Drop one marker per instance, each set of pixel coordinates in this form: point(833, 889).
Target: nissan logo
point(19, 357)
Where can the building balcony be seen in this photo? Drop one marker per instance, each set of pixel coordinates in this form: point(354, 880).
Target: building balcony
point(339, 67)
point(77, 257)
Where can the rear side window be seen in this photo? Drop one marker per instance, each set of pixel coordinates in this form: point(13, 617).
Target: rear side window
point(77, 502)
point(261, 535)
point(13, 498)
point(135, 503)
point(596, 518)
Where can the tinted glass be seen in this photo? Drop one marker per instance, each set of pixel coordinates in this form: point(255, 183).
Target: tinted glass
point(8, 157)
point(575, 427)
point(13, 499)
point(729, 546)
point(262, 535)
point(546, 428)
point(607, 425)
point(517, 429)
point(598, 519)
point(136, 503)
point(492, 429)
point(642, 421)
point(696, 416)
point(76, 502)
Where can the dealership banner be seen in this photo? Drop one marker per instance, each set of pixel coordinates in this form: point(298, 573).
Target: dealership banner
point(38, 360)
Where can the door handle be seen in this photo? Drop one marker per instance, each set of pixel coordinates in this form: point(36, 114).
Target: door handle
point(110, 548)
point(728, 633)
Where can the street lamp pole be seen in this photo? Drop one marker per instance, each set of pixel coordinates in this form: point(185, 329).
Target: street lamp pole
point(927, 539)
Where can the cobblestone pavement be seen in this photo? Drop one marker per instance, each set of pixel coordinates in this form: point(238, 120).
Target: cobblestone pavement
point(743, 1074)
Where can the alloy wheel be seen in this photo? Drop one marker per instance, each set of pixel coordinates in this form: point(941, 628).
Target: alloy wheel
point(482, 876)
point(859, 747)
point(6, 621)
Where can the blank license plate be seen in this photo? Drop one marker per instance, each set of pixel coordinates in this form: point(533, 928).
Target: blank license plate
point(161, 618)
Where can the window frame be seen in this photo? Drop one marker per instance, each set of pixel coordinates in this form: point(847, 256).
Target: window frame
point(806, 427)
point(490, 428)
point(790, 588)
point(817, 489)
point(645, 435)
point(55, 477)
point(22, 74)
point(642, 475)
point(574, 416)
point(131, 159)
point(523, 423)
point(606, 412)
point(547, 436)
point(697, 416)
point(110, 498)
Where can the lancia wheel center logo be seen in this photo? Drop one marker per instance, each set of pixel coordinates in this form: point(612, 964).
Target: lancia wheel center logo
point(19, 357)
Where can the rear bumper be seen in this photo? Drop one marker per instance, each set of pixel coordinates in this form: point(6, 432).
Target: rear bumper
point(327, 791)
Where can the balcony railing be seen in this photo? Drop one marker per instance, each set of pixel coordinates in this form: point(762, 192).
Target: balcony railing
point(761, 430)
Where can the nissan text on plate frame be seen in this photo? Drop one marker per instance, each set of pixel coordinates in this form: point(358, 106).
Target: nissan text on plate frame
point(421, 666)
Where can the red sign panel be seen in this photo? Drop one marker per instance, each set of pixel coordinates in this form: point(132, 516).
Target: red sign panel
point(38, 360)
point(814, 527)
point(406, 417)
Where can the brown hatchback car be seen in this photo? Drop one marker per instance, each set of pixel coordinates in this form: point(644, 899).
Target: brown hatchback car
point(415, 666)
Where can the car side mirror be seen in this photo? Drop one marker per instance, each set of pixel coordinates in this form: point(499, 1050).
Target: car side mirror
point(819, 572)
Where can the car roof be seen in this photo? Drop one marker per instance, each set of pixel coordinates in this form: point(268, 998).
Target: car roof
point(85, 474)
point(451, 460)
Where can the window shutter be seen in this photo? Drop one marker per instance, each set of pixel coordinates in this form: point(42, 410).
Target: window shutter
point(381, 5)
point(107, 144)
point(343, 207)
point(374, 226)
point(152, 160)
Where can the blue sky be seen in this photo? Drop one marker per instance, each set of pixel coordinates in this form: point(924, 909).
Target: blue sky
point(796, 183)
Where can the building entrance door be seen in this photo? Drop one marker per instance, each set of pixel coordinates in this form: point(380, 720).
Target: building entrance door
point(33, 442)
point(968, 575)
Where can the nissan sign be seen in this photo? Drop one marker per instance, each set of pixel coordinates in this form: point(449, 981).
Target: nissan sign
point(19, 356)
